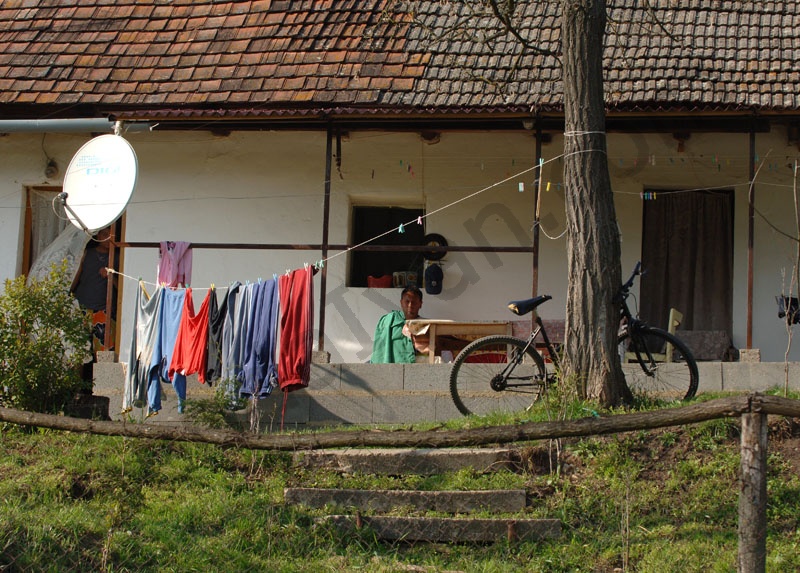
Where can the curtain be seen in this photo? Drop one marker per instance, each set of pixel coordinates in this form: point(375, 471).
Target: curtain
point(687, 255)
point(45, 224)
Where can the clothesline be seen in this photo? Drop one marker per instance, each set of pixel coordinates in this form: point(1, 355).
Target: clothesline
point(139, 279)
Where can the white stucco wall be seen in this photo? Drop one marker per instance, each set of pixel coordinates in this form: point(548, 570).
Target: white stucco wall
point(268, 187)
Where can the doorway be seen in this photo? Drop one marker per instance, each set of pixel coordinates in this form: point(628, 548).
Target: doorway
point(687, 256)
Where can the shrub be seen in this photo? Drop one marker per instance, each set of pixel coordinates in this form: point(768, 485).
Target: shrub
point(44, 340)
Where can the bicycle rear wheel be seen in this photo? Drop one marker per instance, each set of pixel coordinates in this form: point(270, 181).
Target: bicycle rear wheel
point(496, 374)
point(661, 365)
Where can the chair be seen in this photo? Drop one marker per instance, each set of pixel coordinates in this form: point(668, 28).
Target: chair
point(675, 319)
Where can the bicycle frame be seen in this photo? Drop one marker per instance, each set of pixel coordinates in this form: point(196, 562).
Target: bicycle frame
point(468, 378)
point(630, 322)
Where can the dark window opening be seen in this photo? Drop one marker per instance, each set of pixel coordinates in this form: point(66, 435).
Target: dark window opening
point(370, 222)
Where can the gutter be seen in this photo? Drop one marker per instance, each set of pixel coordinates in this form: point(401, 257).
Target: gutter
point(72, 125)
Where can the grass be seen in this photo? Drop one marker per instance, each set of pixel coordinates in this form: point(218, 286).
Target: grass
point(642, 501)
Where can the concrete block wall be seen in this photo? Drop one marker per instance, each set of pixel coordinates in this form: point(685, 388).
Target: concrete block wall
point(337, 394)
point(386, 393)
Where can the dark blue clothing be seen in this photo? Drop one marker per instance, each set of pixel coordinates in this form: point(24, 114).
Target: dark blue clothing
point(260, 368)
point(92, 287)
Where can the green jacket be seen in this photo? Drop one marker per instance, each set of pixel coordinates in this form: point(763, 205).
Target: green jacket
point(390, 345)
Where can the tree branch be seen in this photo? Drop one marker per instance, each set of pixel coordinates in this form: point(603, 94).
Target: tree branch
point(505, 19)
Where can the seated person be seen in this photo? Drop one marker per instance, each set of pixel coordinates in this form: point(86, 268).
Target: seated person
point(393, 341)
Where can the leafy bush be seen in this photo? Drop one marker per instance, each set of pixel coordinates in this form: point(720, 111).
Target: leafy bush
point(44, 339)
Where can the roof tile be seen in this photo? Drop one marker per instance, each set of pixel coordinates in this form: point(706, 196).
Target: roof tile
point(375, 53)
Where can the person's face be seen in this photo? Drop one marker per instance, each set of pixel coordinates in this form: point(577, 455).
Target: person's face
point(102, 236)
point(410, 303)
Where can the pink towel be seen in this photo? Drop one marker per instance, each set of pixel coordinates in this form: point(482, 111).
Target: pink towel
point(175, 263)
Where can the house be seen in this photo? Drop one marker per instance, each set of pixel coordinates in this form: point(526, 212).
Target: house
point(273, 134)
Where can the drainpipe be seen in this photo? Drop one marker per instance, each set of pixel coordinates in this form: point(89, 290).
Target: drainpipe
point(72, 125)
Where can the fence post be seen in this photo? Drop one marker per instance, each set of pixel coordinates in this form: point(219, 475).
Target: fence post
point(753, 495)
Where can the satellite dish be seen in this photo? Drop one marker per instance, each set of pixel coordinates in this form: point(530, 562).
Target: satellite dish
point(99, 181)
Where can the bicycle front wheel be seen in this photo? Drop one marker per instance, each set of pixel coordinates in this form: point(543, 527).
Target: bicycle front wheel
point(496, 374)
point(658, 364)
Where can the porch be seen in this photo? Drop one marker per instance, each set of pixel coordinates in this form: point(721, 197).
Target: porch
point(392, 393)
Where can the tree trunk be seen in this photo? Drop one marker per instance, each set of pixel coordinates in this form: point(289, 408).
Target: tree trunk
point(593, 249)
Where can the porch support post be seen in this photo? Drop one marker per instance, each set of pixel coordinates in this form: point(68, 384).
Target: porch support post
point(751, 196)
point(326, 214)
point(537, 189)
point(111, 279)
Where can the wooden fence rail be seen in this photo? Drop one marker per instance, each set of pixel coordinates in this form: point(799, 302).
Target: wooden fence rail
point(752, 409)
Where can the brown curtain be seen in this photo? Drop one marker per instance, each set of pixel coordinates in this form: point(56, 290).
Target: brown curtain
point(687, 255)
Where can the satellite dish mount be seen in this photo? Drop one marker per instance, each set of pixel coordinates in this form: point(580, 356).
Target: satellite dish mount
point(62, 197)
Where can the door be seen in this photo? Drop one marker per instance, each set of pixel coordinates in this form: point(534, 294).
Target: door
point(687, 256)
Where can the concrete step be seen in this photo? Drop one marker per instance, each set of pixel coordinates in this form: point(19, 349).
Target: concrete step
point(449, 530)
point(403, 461)
point(385, 501)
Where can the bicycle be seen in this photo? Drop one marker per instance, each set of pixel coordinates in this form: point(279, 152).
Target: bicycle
point(507, 374)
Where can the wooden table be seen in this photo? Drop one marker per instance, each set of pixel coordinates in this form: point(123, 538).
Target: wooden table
point(458, 329)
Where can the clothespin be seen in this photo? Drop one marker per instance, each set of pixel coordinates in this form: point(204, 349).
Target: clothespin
point(274, 276)
point(548, 186)
point(305, 266)
point(419, 220)
point(521, 186)
point(212, 286)
point(400, 229)
point(287, 272)
point(259, 280)
point(322, 263)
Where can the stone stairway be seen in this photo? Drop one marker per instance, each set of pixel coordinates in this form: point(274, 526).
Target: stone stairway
point(367, 508)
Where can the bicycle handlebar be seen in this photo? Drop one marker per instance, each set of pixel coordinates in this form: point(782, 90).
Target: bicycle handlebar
point(623, 290)
point(637, 270)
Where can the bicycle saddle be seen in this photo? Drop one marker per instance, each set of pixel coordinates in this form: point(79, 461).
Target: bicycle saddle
point(523, 307)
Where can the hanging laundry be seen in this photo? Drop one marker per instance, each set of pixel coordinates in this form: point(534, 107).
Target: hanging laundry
point(234, 350)
point(297, 325)
point(260, 368)
point(191, 344)
point(142, 366)
point(226, 366)
point(216, 321)
point(175, 263)
point(172, 309)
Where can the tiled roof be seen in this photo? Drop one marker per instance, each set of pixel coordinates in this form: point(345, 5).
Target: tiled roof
point(256, 57)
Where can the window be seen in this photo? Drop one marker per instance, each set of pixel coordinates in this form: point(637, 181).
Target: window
point(369, 222)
